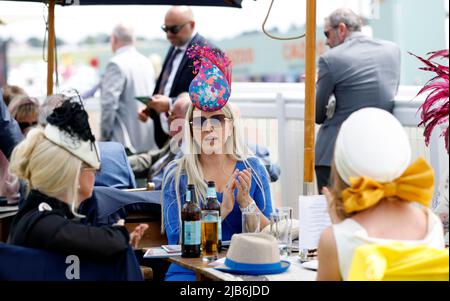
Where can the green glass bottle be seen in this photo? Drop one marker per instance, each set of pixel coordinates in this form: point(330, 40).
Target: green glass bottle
point(191, 225)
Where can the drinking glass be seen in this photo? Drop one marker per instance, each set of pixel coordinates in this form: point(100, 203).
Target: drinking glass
point(250, 222)
point(210, 237)
point(279, 228)
point(289, 211)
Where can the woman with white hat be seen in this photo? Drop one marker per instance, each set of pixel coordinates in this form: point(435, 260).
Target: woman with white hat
point(59, 163)
point(374, 202)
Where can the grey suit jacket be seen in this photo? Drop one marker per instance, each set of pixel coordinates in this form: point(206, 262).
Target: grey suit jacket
point(361, 72)
point(128, 74)
point(141, 163)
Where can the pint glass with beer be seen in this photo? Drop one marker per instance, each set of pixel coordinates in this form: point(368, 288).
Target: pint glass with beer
point(210, 239)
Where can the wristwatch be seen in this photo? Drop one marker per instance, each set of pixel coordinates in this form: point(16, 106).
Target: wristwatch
point(252, 207)
point(331, 107)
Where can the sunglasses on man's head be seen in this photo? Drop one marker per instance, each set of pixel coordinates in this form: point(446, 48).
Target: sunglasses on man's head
point(173, 29)
point(216, 120)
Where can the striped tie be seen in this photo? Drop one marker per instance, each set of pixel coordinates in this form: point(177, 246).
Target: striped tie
point(167, 71)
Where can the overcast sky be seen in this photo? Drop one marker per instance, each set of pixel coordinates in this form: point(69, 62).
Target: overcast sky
point(73, 23)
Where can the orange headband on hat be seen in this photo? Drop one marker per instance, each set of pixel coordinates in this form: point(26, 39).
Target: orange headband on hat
point(415, 184)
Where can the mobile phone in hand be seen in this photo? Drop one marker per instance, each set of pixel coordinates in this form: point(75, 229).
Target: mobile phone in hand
point(144, 99)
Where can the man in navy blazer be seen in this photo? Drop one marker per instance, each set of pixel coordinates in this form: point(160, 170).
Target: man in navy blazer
point(177, 71)
point(359, 72)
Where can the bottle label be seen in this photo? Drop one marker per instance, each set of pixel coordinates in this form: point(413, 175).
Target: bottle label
point(210, 218)
point(211, 192)
point(188, 196)
point(192, 232)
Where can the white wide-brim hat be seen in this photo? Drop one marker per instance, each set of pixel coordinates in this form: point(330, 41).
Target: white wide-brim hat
point(372, 143)
point(86, 151)
point(253, 254)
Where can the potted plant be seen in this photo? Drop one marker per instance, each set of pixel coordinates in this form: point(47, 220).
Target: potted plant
point(435, 112)
point(435, 109)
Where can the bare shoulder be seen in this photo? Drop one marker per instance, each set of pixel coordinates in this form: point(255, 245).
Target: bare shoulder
point(327, 245)
point(327, 239)
point(328, 257)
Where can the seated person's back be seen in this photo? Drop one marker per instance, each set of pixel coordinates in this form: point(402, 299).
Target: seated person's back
point(116, 171)
point(371, 201)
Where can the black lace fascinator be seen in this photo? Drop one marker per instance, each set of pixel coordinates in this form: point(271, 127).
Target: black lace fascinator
point(68, 126)
point(72, 118)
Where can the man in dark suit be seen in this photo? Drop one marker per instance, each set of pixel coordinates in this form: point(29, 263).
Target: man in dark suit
point(177, 71)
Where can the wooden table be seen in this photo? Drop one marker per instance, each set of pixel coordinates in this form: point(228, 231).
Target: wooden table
point(204, 272)
point(198, 266)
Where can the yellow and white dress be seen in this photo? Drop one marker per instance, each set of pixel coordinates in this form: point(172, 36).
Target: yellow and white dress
point(362, 257)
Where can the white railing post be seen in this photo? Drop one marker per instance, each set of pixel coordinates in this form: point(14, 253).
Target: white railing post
point(282, 149)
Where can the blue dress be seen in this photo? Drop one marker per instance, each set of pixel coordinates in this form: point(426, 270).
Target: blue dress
point(231, 225)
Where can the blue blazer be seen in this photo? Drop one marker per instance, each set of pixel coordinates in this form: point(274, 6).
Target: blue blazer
point(108, 204)
point(115, 169)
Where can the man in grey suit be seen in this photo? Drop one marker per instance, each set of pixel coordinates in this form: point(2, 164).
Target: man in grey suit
point(359, 72)
point(128, 74)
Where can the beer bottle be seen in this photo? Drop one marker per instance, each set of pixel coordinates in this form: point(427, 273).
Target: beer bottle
point(213, 204)
point(191, 225)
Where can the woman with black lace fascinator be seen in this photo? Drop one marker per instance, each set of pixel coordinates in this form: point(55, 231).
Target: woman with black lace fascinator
point(59, 163)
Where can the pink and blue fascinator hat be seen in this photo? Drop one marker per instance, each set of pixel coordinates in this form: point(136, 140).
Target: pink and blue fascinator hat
point(211, 87)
